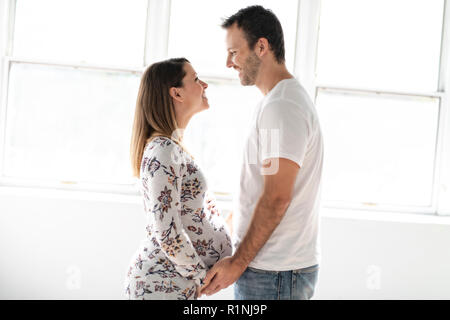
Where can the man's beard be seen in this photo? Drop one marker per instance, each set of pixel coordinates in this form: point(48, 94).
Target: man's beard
point(250, 70)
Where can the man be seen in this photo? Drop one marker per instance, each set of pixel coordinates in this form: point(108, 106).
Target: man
point(276, 229)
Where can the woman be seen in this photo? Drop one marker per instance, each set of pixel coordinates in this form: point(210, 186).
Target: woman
point(186, 235)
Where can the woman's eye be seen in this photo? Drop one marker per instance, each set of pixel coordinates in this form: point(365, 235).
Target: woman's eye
point(196, 79)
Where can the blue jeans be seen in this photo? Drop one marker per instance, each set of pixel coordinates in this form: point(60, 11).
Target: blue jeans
point(256, 284)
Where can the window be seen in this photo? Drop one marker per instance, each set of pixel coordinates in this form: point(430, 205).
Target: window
point(375, 145)
point(69, 124)
point(222, 129)
point(72, 71)
point(97, 32)
point(386, 45)
point(378, 70)
point(199, 37)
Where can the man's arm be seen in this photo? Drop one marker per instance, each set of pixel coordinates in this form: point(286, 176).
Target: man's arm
point(269, 212)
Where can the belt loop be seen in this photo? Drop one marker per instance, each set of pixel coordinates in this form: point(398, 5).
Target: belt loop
point(293, 283)
point(279, 285)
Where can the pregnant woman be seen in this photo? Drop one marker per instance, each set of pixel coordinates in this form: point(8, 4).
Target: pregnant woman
point(185, 233)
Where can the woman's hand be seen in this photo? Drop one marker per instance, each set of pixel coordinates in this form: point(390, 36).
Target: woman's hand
point(223, 274)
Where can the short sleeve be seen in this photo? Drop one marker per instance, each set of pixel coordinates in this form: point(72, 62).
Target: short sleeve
point(162, 174)
point(284, 132)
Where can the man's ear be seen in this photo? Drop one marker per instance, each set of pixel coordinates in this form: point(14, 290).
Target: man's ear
point(262, 47)
point(175, 94)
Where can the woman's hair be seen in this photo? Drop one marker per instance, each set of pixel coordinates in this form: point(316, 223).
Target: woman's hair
point(155, 112)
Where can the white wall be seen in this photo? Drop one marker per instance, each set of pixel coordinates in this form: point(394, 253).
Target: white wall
point(397, 257)
point(42, 238)
point(55, 247)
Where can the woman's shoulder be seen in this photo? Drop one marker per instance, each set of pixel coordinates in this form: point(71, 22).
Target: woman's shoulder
point(162, 145)
point(165, 151)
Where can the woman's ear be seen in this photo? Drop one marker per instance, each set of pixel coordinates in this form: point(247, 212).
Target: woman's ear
point(175, 94)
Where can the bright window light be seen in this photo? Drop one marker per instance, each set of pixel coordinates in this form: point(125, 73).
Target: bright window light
point(199, 37)
point(378, 149)
point(69, 124)
point(82, 31)
point(377, 72)
point(216, 136)
point(384, 44)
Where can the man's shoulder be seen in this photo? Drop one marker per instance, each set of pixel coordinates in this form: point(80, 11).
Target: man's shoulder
point(289, 106)
point(289, 92)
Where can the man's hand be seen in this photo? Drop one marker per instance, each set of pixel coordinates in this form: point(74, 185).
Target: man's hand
point(197, 292)
point(223, 274)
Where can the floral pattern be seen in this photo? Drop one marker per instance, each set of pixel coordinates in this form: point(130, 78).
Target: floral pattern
point(164, 202)
point(185, 233)
point(192, 188)
point(152, 165)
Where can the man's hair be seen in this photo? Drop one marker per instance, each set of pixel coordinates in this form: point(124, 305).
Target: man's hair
point(257, 22)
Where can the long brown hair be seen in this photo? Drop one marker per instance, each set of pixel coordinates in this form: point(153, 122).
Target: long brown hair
point(155, 112)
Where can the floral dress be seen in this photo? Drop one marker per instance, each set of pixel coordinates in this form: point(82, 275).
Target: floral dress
point(185, 233)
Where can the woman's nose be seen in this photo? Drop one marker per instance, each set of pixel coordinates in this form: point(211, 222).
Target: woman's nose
point(205, 85)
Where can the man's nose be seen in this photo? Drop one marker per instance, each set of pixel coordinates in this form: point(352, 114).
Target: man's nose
point(229, 63)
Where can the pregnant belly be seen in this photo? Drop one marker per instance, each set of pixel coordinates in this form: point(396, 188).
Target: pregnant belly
point(211, 246)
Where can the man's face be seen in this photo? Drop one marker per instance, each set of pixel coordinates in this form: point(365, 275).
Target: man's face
point(240, 57)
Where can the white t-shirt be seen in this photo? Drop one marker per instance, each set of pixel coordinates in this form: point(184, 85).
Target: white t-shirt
point(284, 125)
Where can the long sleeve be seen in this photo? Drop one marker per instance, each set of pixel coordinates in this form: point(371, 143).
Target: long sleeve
point(162, 173)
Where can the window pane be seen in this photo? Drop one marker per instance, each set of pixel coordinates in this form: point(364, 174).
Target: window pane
point(378, 150)
point(101, 31)
point(216, 136)
point(69, 125)
point(199, 37)
point(392, 45)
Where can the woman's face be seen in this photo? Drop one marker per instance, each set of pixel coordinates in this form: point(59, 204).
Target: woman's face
point(193, 92)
